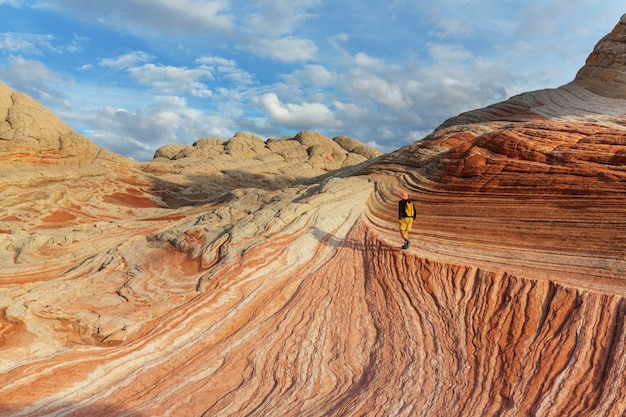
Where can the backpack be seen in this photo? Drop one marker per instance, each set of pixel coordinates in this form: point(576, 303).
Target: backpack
point(409, 210)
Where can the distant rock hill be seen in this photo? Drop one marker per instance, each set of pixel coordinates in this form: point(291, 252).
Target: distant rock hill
point(264, 277)
point(247, 160)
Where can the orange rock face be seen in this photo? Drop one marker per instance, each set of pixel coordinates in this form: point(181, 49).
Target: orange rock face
point(185, 287)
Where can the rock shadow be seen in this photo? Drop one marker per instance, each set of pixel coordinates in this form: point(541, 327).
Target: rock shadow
point(218, 187)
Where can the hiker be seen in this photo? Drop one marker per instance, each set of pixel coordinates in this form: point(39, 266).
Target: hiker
point(406, 215)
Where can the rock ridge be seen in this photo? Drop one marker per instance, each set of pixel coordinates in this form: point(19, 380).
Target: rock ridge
point(304, 155)
point(604, 73)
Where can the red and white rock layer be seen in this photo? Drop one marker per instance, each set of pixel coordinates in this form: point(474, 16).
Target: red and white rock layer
point(167, 289)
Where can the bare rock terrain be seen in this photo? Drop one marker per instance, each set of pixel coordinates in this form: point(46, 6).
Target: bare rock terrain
point(263, 277)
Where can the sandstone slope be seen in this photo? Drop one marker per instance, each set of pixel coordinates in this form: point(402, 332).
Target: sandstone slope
point(208, 283)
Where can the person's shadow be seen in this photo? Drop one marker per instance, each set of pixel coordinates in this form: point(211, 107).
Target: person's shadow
point(333, 241)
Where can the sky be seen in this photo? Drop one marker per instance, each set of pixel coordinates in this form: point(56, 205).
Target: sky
point(134, 75)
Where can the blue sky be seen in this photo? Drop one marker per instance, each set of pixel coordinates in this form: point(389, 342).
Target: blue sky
point(133, 75)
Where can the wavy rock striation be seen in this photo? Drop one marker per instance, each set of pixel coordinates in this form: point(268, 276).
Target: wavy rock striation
point(252, 277)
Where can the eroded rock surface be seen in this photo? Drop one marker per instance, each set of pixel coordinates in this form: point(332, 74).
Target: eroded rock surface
point(263, 277)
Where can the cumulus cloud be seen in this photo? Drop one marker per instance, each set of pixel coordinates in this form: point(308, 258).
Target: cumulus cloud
point(287, 49)
point(165, 79)
point(363, 60)
point(445, 54)
point(446, 86)
point(313, 75)
point(297, 116)
point(33, 78)
point(138, 133)
point(30, 70)
point(226, 69)
point(379, 90)
point(276, 18)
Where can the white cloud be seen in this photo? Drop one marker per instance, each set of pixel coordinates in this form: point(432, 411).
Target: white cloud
point(365, 61)
point(379, 90)
point(139, 133)
point(31, 70)
point(314, 75)
point(287, 49)
point(198, 13)
point(443, 55)
point(451, 27)
point(126, 60)
point(76, 45)
point(351, 112)
point(174, 17)
point(224, 68)
point(33, 78)
point(298, 116)
point(275, 18)
point(217, 62)
point(38, 44)
point(163, 79)
point(26, 43)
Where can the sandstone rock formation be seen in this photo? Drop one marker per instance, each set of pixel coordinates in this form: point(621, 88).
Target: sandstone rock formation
point(262, 277)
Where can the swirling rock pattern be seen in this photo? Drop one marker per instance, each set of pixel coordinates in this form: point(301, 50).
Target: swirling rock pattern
point(174, 288)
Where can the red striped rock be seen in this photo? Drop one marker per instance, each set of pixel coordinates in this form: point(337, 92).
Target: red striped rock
point(154, 290)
